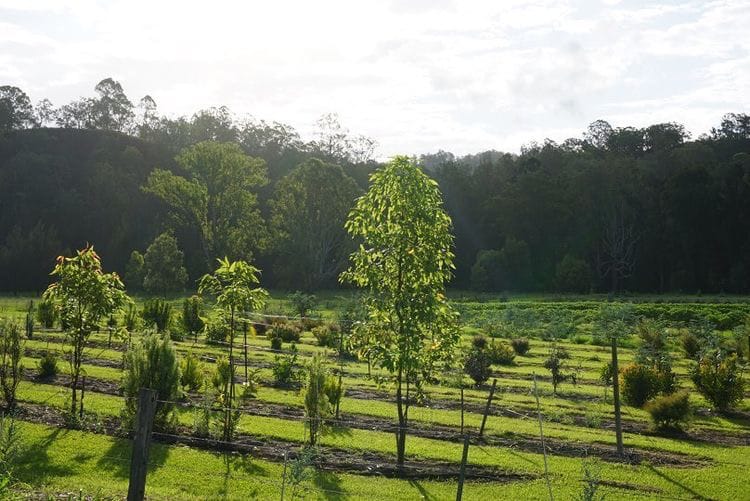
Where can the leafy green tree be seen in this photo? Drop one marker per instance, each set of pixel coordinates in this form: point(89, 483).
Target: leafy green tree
point(234, 284)
point(16, 111)
point(572, 274)
point(84, 294)
point(135, 271)
point(163, 269)
point(11, 352)
point(404, 261)
point(112, 110)
point(215, 197)
point(307, 217)
point(152, 363)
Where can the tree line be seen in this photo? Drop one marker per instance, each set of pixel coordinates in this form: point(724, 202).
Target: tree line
point(642, 209)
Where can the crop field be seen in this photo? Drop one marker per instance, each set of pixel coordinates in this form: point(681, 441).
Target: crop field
point(355, 459)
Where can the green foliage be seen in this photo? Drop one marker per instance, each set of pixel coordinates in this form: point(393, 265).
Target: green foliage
point(506, 269)
point(719, 379)
point(284, 368)
point(639, 384)
point(302, 303)
point(477, 366)
point(276, 343)
point(11, 447)
point(46, 314)
point(191, 373)
point(318, 388)
point(157, 313)
point(132, 318)
point(152, 363)
point(670, 411)
point(217, 331)
point(327, 335)
point(163, 266)
point(215, 197)
point(11, 352)
point(287, 332)
point(223, 382)
point(404, 261)
point(47, 365)
point(192, 315)
point(521, 346)
point(592, 474)
point(555, 364)
point(479, 342)
point(29, 323)
point(614, 320)
point(233, 283)
point(573, 275)
point(501, 353)
point(690, 345)
point(308, 211)
point(135, 271)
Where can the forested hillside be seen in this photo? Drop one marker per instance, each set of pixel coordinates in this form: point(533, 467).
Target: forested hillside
point(650, 209)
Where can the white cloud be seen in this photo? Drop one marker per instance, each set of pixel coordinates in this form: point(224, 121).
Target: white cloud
point(417, 75)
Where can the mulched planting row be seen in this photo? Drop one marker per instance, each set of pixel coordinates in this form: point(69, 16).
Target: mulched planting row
point(520, 442)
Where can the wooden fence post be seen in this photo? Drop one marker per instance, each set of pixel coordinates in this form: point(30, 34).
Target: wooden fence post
point(487, 408)
point(462, 473)
point(141, 442)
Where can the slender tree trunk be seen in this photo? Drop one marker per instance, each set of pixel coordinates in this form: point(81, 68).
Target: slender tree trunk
point(616, 391)
point(401, 433)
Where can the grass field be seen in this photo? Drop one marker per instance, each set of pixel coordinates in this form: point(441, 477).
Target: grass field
point(709, 461)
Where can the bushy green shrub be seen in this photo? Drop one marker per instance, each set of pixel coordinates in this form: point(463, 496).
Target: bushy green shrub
point(477, 366)
point(217, 331)
point(327, 335)
point(287, 332)
point(131, 318)
point(639, 384)
point(192, 315)
point(319, 387)
point(520, 346)
point(152, 363)
point(47, 365)
point(690, 345)
point(302, 303)
point(11, 353)
point(670, 411)
point(479, 342)
point(284, 368)
point(276, 343)
point(719, 380)
point(46, 313)
point(191, 373)
point(157, 313)
point(501, 353)
point(29, 324)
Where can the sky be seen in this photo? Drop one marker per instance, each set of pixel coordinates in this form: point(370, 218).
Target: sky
point(418, 76)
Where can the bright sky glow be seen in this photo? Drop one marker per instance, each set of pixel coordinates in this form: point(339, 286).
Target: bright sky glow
point(418, 75)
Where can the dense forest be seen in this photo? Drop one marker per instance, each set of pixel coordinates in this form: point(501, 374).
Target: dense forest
point(639, 209)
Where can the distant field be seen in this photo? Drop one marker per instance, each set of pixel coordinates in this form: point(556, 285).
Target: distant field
point(710, 461)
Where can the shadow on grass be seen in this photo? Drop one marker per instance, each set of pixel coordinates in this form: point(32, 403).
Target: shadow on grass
point(330, 485)
point(340, 431)
point(422, 491)
point(117, 457)
point(34, 465)
point(239, 463)
point(692, 492)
